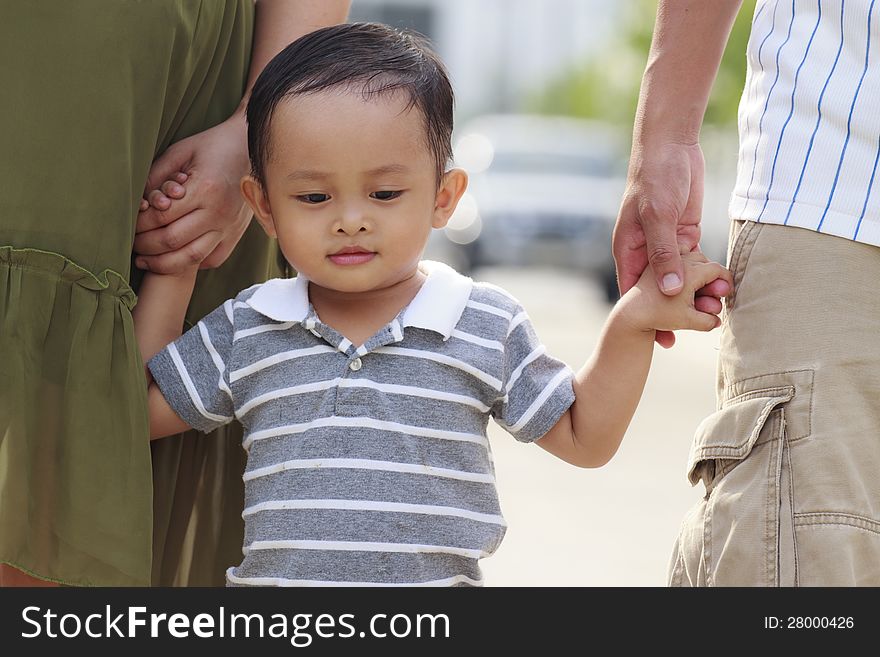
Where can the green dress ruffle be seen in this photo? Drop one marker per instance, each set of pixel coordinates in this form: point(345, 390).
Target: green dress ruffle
point(93, 90)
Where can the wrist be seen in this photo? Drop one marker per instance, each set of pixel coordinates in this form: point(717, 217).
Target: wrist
point(183, 279)
point(673, 123)
point(628, 317)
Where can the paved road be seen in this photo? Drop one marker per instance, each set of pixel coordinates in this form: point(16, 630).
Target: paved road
point(612, 526)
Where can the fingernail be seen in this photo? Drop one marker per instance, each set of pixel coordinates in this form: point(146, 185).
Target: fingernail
point(141, 264)
point(671, 282)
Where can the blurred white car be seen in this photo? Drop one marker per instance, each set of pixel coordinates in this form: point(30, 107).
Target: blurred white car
point(543, 191)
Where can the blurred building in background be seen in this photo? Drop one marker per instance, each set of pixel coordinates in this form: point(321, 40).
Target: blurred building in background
point(498, 52)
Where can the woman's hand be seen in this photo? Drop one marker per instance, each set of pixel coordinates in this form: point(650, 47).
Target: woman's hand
point(203, 223)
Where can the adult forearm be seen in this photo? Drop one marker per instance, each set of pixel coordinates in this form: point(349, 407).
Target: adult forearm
point(689, 39)
point(279, 22)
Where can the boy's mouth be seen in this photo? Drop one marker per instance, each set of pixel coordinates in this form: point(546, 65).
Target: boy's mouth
point(351, 255)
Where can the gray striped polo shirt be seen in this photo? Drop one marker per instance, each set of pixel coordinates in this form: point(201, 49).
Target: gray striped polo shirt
point(367, 465)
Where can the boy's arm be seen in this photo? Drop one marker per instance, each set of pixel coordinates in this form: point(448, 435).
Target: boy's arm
point(589, 433)
point(608, 387)
point(158, 320)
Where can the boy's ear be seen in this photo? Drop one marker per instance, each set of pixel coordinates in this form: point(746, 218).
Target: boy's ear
point(452, 186)
point(257, 198)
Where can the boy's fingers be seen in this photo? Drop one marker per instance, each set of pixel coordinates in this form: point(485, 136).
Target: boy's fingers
point(704, 321)
point(158, 200)
point(692, 256)
point(173, 189)
point(181, 177)
point(709, 273)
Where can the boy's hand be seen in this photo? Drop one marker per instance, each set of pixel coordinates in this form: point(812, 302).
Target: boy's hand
point(162, 197)
point(646, 308)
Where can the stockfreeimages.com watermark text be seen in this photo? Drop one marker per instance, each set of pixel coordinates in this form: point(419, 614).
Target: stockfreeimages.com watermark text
point(300, 629)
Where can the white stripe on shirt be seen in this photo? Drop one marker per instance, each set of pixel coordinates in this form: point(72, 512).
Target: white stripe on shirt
point(191, 388)
point(282, 581)
point(445, 360)
point(561, 376)
point(221, 366)
point(256, 330)
point(364, 464)
point(282, 357)
point(373, 505)
point(364, 423)
point(476, 305)
point(365, 546)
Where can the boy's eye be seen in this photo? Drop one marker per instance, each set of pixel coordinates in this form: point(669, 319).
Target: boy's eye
point(313, 198)
point(386, 195)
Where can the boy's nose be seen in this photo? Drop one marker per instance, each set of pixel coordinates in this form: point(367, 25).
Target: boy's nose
point(352, 221)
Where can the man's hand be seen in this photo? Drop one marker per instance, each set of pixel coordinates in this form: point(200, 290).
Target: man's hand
point(659, 220)
point(204, 223)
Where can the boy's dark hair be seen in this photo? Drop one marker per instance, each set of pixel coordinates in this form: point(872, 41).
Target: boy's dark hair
point(370, 57)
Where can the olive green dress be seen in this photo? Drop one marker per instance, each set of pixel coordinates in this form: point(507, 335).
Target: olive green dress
point(93, 91)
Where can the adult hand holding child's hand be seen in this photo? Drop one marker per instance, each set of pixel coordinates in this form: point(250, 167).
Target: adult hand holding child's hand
point(659, 221)
point(646, 308)
point(201, 223)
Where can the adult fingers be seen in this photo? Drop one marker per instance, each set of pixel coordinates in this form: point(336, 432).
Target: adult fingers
point(153, 218)
point(222, 251)
point(707, 304)
point(662, 250)
point(717, 288)
point(628, 247)
point(172, 236)
point(176, 261)
point(665, 339)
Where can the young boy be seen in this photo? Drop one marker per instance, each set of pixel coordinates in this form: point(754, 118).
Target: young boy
point(366, 383)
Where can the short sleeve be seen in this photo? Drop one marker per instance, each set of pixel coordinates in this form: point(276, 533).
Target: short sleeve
point(537, 387)
point(192, 371)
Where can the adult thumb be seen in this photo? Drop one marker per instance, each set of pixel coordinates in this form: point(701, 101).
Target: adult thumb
point(664, 258)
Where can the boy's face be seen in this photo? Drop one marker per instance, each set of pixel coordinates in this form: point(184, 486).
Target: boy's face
point(351, 189)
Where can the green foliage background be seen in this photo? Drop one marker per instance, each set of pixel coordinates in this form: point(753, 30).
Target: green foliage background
point(607, 87)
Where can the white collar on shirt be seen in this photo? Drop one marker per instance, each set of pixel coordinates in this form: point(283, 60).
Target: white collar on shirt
point(437, 306)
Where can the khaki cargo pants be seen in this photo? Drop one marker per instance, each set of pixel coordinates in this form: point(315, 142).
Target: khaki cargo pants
point(791, 461)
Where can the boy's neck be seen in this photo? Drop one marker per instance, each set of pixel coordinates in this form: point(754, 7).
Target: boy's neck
point(359, 315)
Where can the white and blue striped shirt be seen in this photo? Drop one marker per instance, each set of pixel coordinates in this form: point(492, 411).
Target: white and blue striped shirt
point(809, 118)
point(367, 465)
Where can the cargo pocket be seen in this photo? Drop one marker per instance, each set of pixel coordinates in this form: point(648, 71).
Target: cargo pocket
point(741, 534)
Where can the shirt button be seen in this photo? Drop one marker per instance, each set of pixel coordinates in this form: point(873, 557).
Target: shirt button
point(355, 365)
